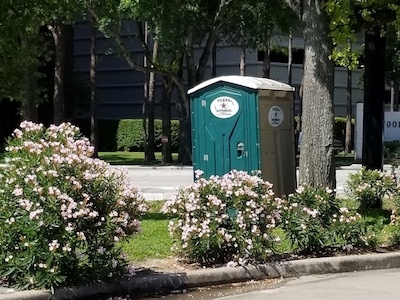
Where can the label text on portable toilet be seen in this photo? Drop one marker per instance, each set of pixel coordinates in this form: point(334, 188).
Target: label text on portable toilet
point(224, 107)
point(275, 116)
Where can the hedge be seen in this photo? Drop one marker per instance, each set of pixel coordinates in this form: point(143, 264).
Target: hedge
point(339, 130)
point(127, 134)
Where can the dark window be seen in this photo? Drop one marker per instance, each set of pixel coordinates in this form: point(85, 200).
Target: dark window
point(281, 55)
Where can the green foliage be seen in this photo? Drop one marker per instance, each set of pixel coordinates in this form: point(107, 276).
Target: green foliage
point(314, 221)
point(62, 212)
point(130, 136)
point(369, 187)
point(127, 134)
point(349, 17)
point(107, 129)
point(225, 219)
point(339, 129)
point(391, 149)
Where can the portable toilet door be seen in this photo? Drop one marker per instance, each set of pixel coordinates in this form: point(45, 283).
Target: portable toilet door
point(224, 128)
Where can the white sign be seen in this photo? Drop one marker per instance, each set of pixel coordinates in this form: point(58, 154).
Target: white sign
point(275, 116)
point(391, 128)
point(224, 107)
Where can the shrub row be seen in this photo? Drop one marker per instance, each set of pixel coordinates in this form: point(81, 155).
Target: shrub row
point(236, 218)
point(127, 134)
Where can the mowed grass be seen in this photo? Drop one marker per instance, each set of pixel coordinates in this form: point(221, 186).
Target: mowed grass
point(131, 158)
point(154, 240)
point(122, 158)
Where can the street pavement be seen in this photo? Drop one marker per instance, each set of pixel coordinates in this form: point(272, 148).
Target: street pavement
point(365, 285)
point(163, 182)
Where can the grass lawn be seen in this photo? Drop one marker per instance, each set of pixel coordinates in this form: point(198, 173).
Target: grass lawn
point(154, 241)
point(130, 158)
point(137, 158)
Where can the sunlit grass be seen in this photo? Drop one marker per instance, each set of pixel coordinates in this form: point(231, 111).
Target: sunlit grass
point(131, 158)
point(154, 241)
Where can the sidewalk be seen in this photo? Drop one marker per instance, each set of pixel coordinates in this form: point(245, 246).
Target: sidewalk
point(163, 282)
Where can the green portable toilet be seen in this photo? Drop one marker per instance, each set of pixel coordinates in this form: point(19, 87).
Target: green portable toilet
point(244, 123)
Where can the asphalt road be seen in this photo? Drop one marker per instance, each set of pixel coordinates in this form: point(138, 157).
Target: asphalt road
point(366, 285)
point(162, 182)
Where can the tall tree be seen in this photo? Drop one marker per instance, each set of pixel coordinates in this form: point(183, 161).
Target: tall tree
point(21, 49)
point(149, 86)
point(180, 26)
point(21, 21)
point(93, 84)
point(316, 167)
point(373, 16)
point(393, 65)
point(253, 24)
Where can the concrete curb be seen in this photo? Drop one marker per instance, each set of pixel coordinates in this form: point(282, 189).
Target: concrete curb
point(164, 283)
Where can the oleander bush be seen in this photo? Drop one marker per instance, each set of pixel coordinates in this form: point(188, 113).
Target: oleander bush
point(61, 211)
point(369, 187)
point(225, 219)
point(314, 221)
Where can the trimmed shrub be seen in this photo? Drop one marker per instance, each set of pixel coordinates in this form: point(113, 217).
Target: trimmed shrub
point(314, 221)
point(130, 135)
point(62, 212)
point(225, 219)
point(339, 130)
point(391, 150)
point(127, 134)
point(369, 187)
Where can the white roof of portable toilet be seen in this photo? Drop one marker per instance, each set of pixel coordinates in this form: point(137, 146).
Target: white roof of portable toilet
point(255, 83)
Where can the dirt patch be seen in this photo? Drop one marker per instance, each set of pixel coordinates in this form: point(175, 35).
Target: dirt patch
point(165, 265)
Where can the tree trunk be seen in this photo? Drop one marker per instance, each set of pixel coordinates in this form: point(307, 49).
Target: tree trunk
point(183, 109)
point(316, 167)
point(214, 61)
point(242, 64)
point(166, 122)
point(290, 58)
point(148, 105)
point(152, 80)
point(58, 96)
point(29, 104)
point(349, 113)
point(374, 88)
point(394, 93)
point(93, 87)
point(205, 55)
point(267, 57)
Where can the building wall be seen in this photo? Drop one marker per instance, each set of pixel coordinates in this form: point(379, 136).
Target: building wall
point(120, 88)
